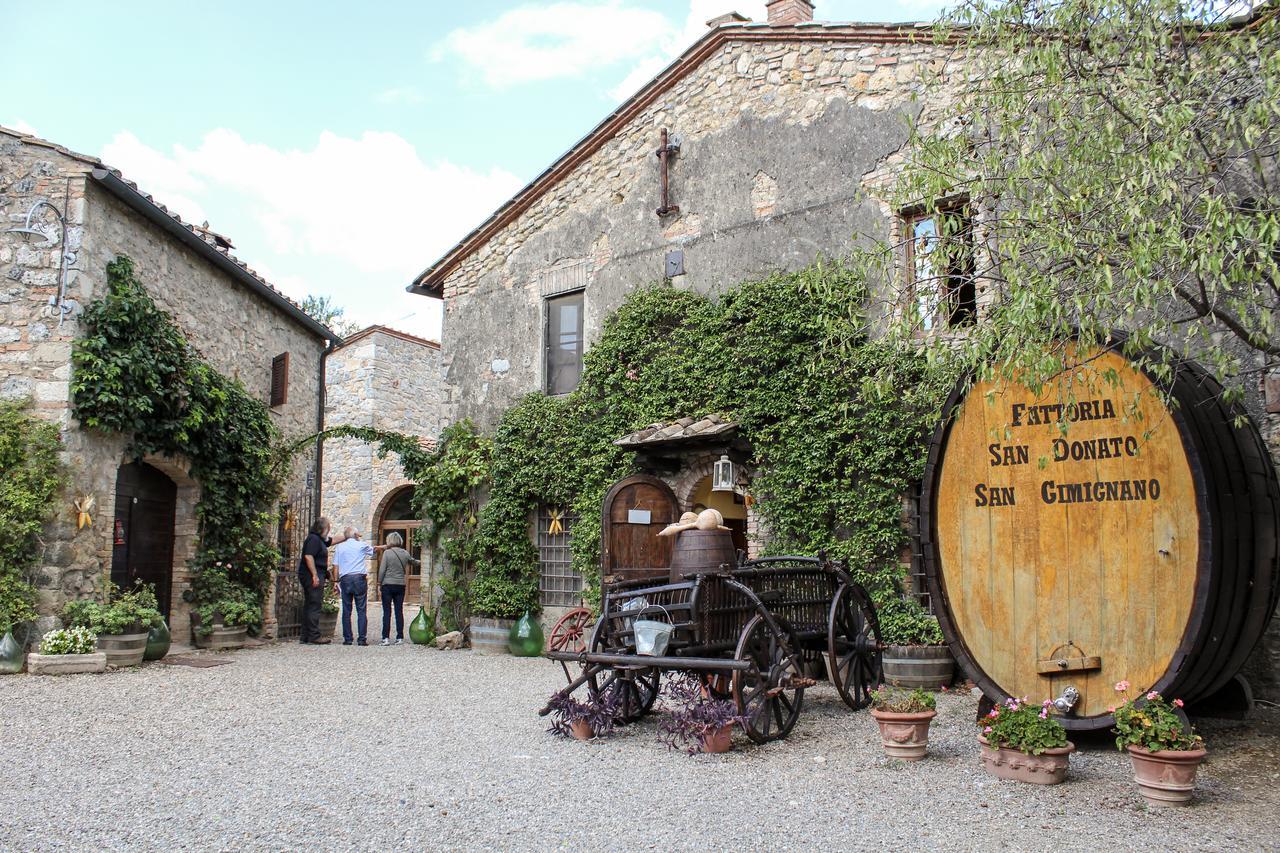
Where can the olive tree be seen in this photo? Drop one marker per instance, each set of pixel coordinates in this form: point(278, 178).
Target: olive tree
point(1115, 166)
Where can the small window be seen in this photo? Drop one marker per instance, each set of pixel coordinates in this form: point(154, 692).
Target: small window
point(280, 380)
point(940, 266)
point(563, 353)
point(559, 584)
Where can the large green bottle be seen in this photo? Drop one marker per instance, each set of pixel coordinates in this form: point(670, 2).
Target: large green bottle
point(421, 630)
point(158, 642)
point(11, 655)
point(525, 639)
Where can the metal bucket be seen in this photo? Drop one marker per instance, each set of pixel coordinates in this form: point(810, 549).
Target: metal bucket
point(652, 636)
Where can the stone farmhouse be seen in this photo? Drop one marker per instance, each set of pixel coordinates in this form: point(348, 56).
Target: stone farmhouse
point(74, 215)
point(765, 145)
point(388, 380)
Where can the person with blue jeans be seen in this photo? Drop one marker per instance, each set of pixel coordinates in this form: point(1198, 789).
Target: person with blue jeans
point(392, 577)
point(351, 557)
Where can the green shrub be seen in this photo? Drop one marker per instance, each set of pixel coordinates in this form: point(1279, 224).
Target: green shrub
point(905, 622)
point(30, 481)
point(129, 612)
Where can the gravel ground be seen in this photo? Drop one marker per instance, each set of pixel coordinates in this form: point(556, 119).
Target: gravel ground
point(337, 747)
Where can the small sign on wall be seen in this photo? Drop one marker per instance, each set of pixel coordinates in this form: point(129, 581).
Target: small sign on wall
point(639, 516)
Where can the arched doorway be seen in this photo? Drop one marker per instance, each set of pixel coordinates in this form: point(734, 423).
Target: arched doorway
point(732, 506)
point(398, 517)
point(142, 537)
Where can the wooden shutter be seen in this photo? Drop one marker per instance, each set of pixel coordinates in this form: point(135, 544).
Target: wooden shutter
point(280, 380)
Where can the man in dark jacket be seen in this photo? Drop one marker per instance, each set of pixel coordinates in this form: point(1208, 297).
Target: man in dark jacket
point(313, 574)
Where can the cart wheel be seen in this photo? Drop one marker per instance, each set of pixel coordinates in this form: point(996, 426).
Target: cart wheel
point(638, 689)
point(569, 633)
point(853, 642)
point(765, 694)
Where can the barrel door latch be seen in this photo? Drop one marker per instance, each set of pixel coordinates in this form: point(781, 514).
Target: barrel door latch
point(1068, 657)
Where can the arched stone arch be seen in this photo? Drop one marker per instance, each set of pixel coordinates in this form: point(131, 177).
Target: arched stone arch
point(380, 508)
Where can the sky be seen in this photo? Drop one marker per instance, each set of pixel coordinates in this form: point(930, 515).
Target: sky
point(343, 148)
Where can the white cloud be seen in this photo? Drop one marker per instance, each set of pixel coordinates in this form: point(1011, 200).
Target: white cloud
point(22, 127)
point(555, 40)
point(399, 96)
point(356, 218)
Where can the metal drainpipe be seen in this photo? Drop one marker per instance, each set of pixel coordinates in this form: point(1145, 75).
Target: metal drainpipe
point(319, 501)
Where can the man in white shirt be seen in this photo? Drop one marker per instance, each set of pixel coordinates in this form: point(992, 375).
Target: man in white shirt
point(351, 557)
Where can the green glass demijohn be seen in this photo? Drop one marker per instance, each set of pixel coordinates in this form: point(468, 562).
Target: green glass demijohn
point(11, 655)
point(158, 641)
point(421, 631)
point(525, 639)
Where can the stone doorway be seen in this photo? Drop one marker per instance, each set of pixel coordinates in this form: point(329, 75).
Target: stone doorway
point(143, 530)
point(397, 517)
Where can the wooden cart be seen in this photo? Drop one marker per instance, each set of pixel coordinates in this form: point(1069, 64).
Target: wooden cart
point(753, 633)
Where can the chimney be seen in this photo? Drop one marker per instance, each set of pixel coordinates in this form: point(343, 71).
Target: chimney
point(786, 13)
point(727, 18)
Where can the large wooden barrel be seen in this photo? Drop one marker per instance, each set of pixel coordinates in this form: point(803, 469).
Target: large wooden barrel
point(1094, 534)
point(698, 552)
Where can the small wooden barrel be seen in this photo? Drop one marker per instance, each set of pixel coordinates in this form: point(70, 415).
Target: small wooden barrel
point(698, 552)
point(1092, 534)
point(123, 649)
point(926, 667)
point(490, 636)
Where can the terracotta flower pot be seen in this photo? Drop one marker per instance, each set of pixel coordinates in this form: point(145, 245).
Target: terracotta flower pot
point(904, 736)
point(720, 740)
point(1047, 768)
point(1167, 777)
point(581, 730)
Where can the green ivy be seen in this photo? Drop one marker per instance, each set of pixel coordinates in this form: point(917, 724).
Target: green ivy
point(136, 375)
point(30, 480)
point(791, 360)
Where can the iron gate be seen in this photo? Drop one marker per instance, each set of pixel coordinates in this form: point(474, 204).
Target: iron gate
point(296, 514)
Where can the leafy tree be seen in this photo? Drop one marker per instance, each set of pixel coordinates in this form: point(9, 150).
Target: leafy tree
point(323, 310)
point(1120, 163)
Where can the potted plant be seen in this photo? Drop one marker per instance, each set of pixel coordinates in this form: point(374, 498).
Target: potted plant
point(1024, 743)
point(121, 622)
point(224, 611)
point(595, 717)
point(66, 651)
point(904, 717)
point(697, 721)
point(915, 655)
point(1164, 748)
point(330, 606)
point(16, 618)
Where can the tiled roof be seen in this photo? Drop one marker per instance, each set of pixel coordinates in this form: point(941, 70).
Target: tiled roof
point(387, 330)
point(213, 239)
point(684, 429)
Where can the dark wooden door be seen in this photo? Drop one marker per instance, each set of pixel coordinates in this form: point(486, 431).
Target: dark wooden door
point(635, 510)
point(143, 535)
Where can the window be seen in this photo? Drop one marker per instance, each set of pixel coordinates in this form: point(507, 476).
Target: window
point(559, 584)
point(940, 266)
point(280, 380)
point(563, 343)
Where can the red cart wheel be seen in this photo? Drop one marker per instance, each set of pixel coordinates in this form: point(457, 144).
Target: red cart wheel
point(568, 635)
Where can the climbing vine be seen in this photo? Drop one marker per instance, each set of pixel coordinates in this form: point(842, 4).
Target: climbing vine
point(136, 375)
point(30, 479)
point(791, 360)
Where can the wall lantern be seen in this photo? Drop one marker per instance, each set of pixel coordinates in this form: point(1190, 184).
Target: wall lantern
point(59, 306)
point(723, 476)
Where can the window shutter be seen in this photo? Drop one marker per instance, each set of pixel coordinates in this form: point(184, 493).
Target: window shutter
point(280, 380)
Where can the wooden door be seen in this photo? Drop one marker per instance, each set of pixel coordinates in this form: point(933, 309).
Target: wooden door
point(635, 510)
point(413, 574)
point(142, 537)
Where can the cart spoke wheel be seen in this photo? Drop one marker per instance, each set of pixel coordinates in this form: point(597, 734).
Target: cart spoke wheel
point(570, 632)
point(768, 705)
point(854, 646)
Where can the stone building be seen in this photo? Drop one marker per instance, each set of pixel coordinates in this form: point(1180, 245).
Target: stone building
point(388, 380)
point(762, 147)
point(65, 217)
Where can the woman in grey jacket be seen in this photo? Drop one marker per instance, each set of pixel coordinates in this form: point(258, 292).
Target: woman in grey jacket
point(391, 578)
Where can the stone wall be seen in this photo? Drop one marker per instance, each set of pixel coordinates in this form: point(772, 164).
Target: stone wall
point(238, 331)
point(388, 381)
point(776, 144)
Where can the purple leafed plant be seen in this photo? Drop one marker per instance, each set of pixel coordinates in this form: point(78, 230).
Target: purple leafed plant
point(600, 711)
point(692, 714)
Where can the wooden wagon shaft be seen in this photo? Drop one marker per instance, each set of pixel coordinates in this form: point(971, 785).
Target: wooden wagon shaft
point(646, 662)
point(573, 685)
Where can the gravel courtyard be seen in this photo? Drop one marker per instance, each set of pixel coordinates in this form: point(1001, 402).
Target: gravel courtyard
point(335, 747)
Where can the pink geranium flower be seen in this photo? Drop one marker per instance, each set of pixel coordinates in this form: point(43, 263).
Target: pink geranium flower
point(1177, 703)
point(1152, 695)
point(1122, 686)
point(987, 730)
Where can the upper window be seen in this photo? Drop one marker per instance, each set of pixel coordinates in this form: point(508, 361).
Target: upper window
point(563, 343)
point(940, 266)
point(280, 380)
